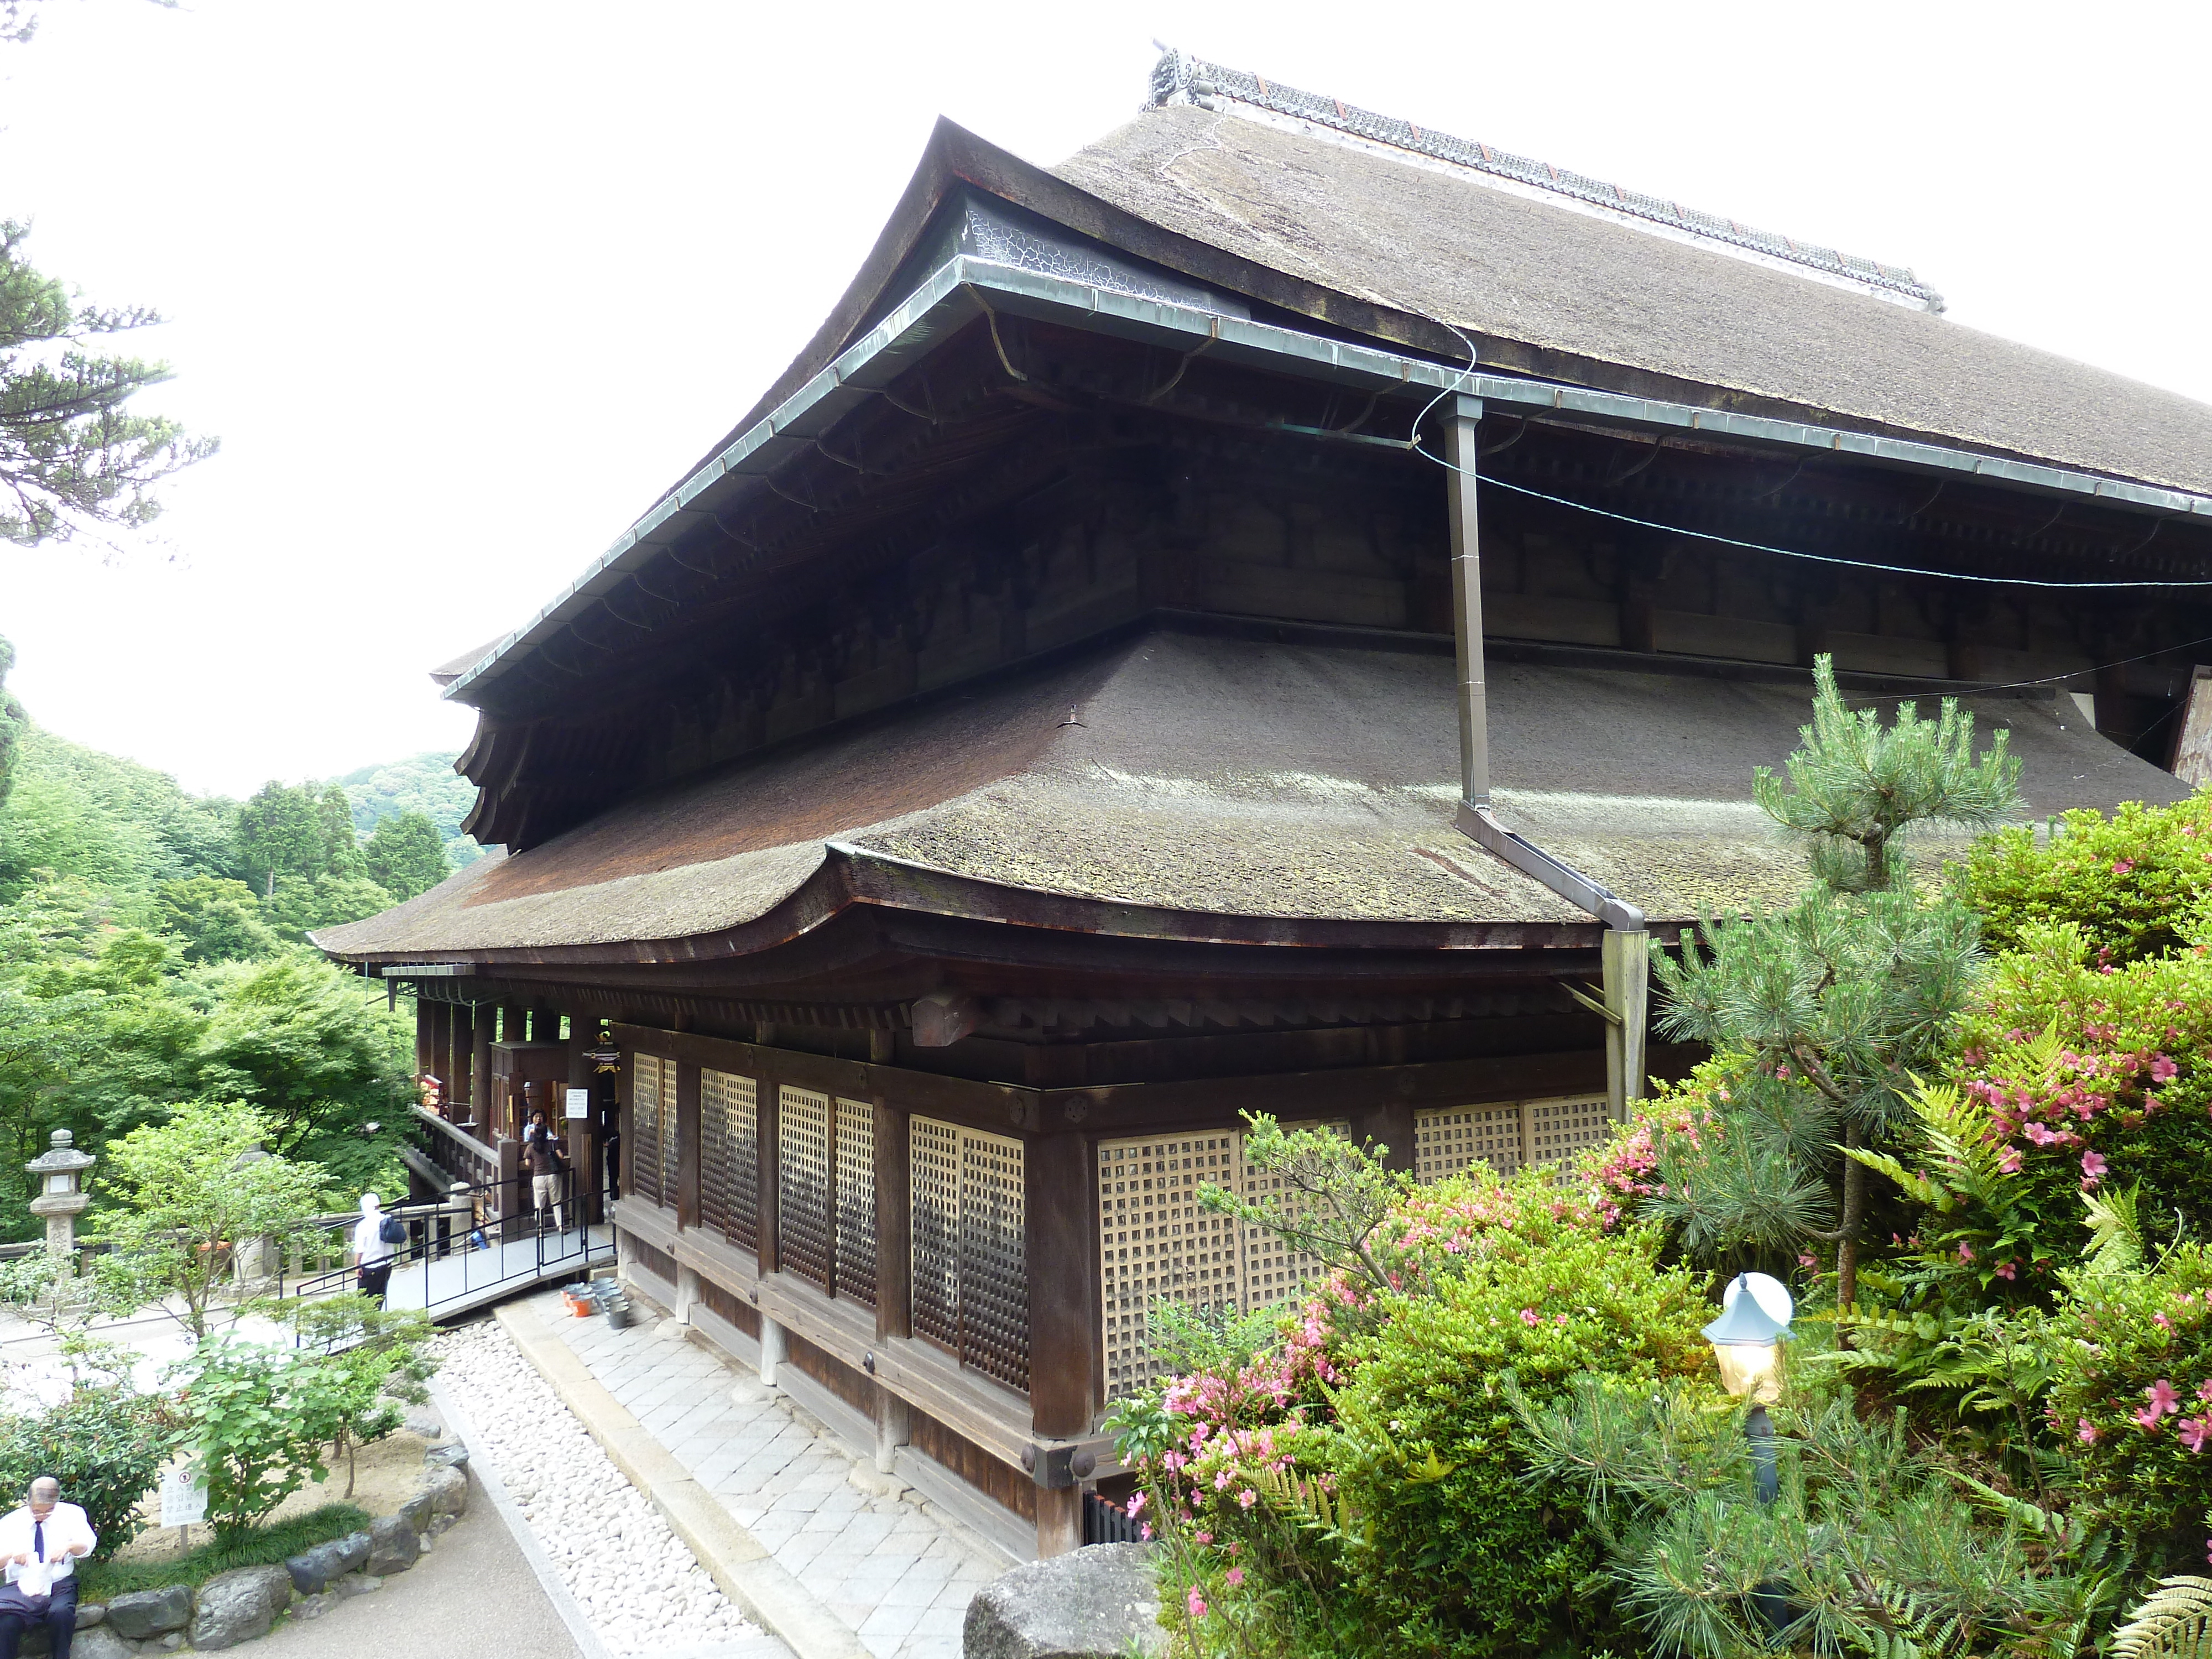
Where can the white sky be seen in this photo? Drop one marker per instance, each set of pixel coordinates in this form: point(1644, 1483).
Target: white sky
point(464, 286)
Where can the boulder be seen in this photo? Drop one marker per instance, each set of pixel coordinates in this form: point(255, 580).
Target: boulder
point(149, 1612)
point(97, 1642)
point(415, 1511)
point(1095, 1603)
point(447, 1491)
point(394, 1542)
point(90, 1613)
point(450, 1456)
point(312, 1570)
point(238, 1607)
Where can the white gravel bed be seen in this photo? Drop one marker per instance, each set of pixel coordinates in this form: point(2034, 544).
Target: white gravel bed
point(639, 1584)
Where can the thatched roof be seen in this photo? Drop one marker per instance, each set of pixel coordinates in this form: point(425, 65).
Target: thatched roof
point(1206, 775)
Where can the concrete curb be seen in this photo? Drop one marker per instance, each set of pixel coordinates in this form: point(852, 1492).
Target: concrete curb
point(741, 1567)
point(565, 1604)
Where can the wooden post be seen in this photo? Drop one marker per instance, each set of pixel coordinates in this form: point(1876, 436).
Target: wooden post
point(583, 1133)
point(1060, 1208)
point(626, 1087)
point(426, 1037)
point(1059, 1521)
point(769, 1188)
point(1625, 963)
point(686, 1172)
point(513, 1207)
point(894, 1223)
point(894, 1428)
point(480, 1083)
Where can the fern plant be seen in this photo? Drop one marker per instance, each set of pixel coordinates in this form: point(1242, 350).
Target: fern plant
point(2173, 1622)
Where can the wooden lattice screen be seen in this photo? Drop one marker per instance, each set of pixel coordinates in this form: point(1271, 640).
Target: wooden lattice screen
point(803, 1182)
point(653, 1130)
point(1507, 1137)
point(729, 1156)
point(855, 1218)
point(971, 1253)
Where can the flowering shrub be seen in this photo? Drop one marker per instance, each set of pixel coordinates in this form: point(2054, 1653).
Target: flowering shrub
point(2097, 1076)
point(2136, 883)
point(1357, 1486)
point(2132, 1400)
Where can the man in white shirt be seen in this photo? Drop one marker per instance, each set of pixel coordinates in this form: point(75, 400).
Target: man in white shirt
point(372, 1250)
point(39, 1545)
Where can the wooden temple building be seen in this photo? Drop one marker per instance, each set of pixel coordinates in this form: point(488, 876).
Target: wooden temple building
point(1255, 617)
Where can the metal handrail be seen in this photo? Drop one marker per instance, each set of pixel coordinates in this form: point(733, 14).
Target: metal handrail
point(476, 1206)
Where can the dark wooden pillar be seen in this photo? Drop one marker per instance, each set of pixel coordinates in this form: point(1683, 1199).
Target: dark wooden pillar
point(686, 1172)
point(626, 1087)
point(426, 1036)
point(583, 1132)
point(1061, 1206)
point(480, 1083)
point(894, 1223)
point(769, 1120)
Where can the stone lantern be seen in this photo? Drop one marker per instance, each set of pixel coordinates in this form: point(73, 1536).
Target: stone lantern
point(61, 1197)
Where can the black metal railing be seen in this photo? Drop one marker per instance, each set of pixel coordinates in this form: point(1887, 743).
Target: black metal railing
point(479, 1238)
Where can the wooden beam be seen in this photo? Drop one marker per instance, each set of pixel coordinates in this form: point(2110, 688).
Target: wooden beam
point(686, 1173)
point(894, 1221)
point(1060, 1211)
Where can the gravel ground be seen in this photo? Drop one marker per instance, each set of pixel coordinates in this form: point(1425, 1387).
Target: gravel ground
point(639, 1584)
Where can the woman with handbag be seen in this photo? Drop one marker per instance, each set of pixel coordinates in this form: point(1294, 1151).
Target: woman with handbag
point(39, 1545)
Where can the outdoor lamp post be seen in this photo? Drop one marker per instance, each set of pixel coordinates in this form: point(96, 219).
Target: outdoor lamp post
point(1746, 1338)
point(62, 1197)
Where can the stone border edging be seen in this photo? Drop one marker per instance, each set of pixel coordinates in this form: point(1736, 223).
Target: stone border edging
point(459, 1427)
point(741, 1567)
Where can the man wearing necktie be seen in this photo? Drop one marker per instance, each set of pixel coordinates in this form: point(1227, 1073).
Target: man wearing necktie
point(40, 1543)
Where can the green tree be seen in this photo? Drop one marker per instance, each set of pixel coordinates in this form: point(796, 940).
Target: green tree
point(341, 846)
point(406, 855)
point(12, 720)
point(298, 906)
point(104, 1445)
point(189, 1192)
point(279, 833)
point(256, 1418)
point(215, 919)
point(72, 455)
point(1822, 1012)
point(297, 1041)
point(378, 1357)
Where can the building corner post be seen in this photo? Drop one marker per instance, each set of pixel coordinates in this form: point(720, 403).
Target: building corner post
point(1626, 965)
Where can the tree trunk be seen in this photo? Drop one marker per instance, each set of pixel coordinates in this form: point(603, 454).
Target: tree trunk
point(1853, 1217)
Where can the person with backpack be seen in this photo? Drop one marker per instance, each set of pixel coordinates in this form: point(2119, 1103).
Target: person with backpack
point(376, 1240)
point(549, 1171)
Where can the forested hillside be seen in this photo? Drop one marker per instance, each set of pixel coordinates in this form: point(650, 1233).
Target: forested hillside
point(422, 783)
point(152, 952)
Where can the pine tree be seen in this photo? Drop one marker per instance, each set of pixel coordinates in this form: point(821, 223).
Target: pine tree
point(1827, 1007)
point(279, 833)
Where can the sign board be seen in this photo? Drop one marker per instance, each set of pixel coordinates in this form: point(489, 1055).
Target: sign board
point(184, 1497)
point(580, 1102)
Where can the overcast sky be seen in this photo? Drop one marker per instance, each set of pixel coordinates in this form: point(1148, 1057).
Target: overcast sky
point(462, 287)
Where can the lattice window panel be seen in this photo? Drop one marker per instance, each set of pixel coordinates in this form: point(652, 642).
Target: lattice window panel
point(970, 1266)
point(1557, 1129)
point(933, 1163)
point(995, 1257)
point(803, 1189)
point(729, 1156)
point(856, 1200)
point(652, 1159)
point(1154, 1241)
point(1272, 1271)
point(1446, 1142)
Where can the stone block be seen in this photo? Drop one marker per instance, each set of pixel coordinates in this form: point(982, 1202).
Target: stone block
point(90, 1613)
point(394, 1542)
point(313, 1570)
point(451, 1456)
point(358, 1584)
point(415, 1511)
point(1095, 1603)
point(143, 1613)
point(238, 1607)
point(447, 1491)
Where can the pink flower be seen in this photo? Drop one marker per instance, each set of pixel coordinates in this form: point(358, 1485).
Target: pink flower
point(1965, 1251)
point(1196, 1603)
point(1806, 1262)
point(2121, 866)
point(2009, 1163)
point(1234, 1577)
point(1246, 1499)
point(1558, 1319)
point(2163, 1070)
point(1528, 1316)
point(2163, 1401)
point(1205, 1538)
point(2148, 1418)
point(1136, 1504)
point(2005, 1270)
point(2087, 1433)
point(2162, 1320)
point(1144, 1531)
point(2093, 1165)
point(2195, 1430)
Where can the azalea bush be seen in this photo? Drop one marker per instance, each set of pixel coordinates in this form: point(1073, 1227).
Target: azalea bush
point(2137, 883)
point(1354, 1479)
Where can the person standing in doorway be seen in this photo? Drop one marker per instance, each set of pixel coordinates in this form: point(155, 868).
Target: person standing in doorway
point(548, 1170)
point(39, 1545)
point(376, 1237)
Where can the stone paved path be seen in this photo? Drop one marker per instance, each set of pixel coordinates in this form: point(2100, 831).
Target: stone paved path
point(885, 1567)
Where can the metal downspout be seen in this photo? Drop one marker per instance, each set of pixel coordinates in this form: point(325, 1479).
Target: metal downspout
point(1626, 950)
